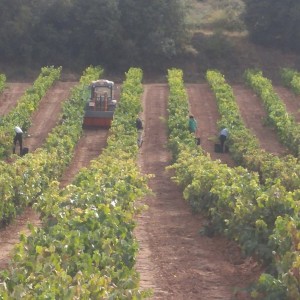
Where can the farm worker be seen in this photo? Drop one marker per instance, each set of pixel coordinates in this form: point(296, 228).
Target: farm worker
point(139, 127)
point(114, 104)
point(192, 124)
point(105, 101)
point(18, 138)
point(223, 137)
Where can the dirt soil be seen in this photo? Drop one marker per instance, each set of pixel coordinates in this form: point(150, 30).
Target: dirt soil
point(47, 115)
point(254, 116)
point(175, 260)
point(10, 96)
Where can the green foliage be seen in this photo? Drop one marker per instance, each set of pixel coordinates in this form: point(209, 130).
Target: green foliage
point(263, 219)
point(285, 242)
point(2, 82)
point(79, 33)
point(27, 104)
point(274, 22)
point(178, 114)
point(287, 128)
point(214, 14)
point(291, 79)
point(244, 147)
point(86, 249)
point(270, 288)
point(218, 46)
point(26, 178)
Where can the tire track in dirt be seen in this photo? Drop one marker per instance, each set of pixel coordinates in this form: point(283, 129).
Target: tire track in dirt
point(174, 259)
point(152, 117)
point(47, 115)
point(10, 96)
point(10, 235)
point(204, 107)
point(253, 115)
point(291, 101)
point(89, 147)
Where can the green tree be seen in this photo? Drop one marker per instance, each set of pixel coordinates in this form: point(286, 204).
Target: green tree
point(77, 33)
point(274, 22)
point(96, 31)
point(51, 32)
point(15, 22)
point(154, 28)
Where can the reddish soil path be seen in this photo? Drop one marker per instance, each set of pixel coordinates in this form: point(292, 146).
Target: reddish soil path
point(174, 259)
point(47, 115)
point(11, 95)
point(89, 147)
point(9, 236)
point(291, 101)
point(253, 114)
point(203, 106)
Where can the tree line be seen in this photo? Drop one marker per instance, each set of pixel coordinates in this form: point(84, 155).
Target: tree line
point(123, 33)
point(274, 23)
point(80, 32)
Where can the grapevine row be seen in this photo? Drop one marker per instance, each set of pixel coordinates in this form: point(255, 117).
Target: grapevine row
point(287, 128)
point(291, 79)
point(27, 104)
point(258, 217)
point(244, 147)
point(2, 82)
point(23, 181)
point(86, 250)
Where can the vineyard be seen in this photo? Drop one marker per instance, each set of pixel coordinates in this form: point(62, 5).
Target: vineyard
point(170, 220)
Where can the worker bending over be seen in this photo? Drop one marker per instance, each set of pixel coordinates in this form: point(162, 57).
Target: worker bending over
point(18, 138)
point(223, 137)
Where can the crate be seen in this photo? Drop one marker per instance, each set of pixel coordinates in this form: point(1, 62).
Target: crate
point(24, 151)
point(218, 148)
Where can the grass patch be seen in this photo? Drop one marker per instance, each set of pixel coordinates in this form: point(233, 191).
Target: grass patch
point(215, 15)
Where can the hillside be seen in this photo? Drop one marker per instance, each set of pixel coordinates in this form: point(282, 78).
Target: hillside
point(219, 40)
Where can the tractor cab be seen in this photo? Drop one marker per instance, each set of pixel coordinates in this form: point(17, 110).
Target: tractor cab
point(100, 107)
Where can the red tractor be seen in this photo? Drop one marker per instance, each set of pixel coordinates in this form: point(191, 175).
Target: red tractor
point(100, 107)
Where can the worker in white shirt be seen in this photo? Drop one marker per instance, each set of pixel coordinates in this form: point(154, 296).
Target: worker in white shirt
point(223, 137)
point(18, 138)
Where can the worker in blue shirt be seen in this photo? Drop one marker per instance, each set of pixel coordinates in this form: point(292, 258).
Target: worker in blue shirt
point(223, 137)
